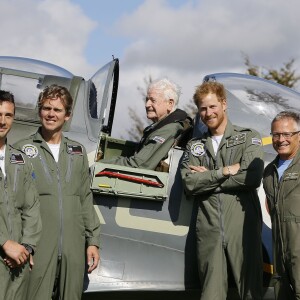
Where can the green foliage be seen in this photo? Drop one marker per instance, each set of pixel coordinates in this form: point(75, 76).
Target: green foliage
point(286, 75)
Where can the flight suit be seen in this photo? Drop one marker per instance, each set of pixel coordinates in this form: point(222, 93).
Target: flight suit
point(157, 140)
point(283, 201)
point(19, 219)
point(229, 220)
point(70, 223)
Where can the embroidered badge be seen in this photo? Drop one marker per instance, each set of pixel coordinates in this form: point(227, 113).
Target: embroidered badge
point(291, 176)
point(236, 140)
point(256, 141)
point(30, 150)
point(159, 139)
point(74, 149)
point(17, 158)
point(197, 149)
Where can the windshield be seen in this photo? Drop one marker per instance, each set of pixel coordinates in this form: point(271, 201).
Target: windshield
point(102, 98)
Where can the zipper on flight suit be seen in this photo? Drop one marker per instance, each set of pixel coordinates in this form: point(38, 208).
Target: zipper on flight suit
point(17, 169)
point(6, 196)
point(220, 207)
point(60, 242)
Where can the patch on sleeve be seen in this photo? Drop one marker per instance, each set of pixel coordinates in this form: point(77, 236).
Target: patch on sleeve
point(256, 141)
point(197, 149)
point(17, 158)
point(159, 139)
point(236, 140)
point(30, 150)
point(74, 149)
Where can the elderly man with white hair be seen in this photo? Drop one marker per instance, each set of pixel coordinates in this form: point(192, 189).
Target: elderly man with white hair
point(168, 123)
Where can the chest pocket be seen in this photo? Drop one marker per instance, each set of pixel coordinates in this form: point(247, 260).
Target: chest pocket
point(45, 169)
point(70, 164)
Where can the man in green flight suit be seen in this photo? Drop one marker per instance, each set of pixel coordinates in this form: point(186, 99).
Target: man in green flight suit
point(222, 170)
point(282, 187)
point(20, 222)
point(70, 224)
point(168, 123)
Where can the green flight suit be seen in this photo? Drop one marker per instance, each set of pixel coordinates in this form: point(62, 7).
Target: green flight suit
point(229, 219)
point(157, 140)
point(70, 223)
point(19, 219)
point(284, 205)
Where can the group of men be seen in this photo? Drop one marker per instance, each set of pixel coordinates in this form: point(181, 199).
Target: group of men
point(46, 210)
point(222, 169)
point(47, 218)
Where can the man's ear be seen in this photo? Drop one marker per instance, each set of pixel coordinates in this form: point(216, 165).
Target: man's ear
point(171, 104)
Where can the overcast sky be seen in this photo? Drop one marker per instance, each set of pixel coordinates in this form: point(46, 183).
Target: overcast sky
point(181, 39)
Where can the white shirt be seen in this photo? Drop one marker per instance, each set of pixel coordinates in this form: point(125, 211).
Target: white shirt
point(216, 140)
point(55, 150)
point(2, 160)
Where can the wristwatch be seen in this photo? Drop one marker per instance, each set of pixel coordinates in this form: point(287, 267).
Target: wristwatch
point(28, 248)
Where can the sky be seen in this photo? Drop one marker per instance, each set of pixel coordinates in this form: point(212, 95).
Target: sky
point(181, 39)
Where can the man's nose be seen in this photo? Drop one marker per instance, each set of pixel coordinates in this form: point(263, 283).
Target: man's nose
point(2, 120)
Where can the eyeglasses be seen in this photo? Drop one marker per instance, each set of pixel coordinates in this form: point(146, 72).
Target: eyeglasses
point(286, 135)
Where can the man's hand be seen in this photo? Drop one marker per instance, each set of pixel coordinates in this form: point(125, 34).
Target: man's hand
point(196, 169)
point(17, 255)
point(231, 170)
point(92, 254)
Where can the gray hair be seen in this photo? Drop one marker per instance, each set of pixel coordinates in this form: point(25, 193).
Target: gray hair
point(170, 89)
point(288, 115)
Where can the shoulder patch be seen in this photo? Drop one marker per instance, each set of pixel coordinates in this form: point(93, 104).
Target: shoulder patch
point(159, 139)
point(30, 150)
point(17, 158)
point(256, 141)
point(197, 149)
point(236, 140)
point(74, 149)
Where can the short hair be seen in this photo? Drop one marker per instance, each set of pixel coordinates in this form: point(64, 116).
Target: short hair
point(53, 92)
point(170, 89)
point(287, 115)
point(6, 96)
point(209, 87)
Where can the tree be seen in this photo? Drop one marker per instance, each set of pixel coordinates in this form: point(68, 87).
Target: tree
point(138, 124)
point(286, 75)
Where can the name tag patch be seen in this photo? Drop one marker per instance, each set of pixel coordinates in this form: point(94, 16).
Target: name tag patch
point(236, 140)
point(74, 149)
point(17, 158)
point(159, 139)
point(291, 176)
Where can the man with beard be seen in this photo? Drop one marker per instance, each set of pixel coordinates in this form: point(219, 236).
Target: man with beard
point(222, 170)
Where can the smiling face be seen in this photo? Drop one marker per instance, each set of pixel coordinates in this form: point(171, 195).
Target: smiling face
point(157, 107)
point(212, 113)
point(286, 147)
point(7, 112)
point(53, 115)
